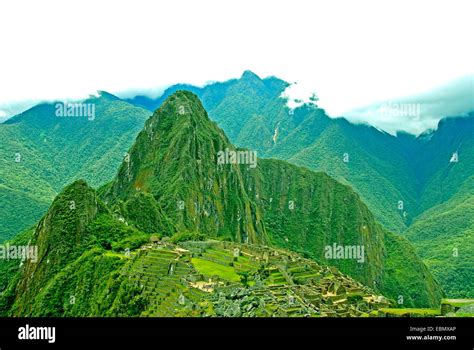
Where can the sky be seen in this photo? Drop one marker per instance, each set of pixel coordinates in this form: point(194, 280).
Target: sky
point(371, 61)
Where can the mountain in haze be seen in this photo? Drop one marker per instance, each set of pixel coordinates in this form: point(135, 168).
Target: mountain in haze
point(401, 177)
point(172, 185)
point(41, 152)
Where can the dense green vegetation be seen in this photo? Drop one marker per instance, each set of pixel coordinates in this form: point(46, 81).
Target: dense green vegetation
point(41, 153)
point(173, 169)
point(170, 185)
point(399, 177)
point(253, 115)
point(91, 246)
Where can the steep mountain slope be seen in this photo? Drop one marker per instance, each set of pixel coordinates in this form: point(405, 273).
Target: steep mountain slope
point(253, 115)
point(60, 237)
point(40, 153)
point(429, 184)
point(327, 213)
point(364, 165)
point(274, 202)
point(174, 159)
point(382, 168)
point(43, 153)
point(90, 261)
point(443, 231)
point(77, 273)
point(232, 103)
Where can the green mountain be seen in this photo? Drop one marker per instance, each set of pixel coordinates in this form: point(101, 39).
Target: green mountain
point(443, 232)
point(46, 153)
point(400, 178)
point(78, 274)
point(93, 256)
point(173, 162)
point(40, 153)
point(284, 204)
point(253, 115)
point(382, 168)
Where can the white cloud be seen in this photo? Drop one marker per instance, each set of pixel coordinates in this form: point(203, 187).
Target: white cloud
point(350, 53)
point(419, 112)
point(298, 94)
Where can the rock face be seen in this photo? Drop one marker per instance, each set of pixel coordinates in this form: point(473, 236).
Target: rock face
point(180, 182)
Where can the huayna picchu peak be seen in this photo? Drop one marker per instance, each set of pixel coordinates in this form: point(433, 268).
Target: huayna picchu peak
point(175, 160)
point(193, 226)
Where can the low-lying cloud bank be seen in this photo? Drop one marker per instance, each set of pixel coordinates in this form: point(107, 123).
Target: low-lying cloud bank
point(415, 114)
